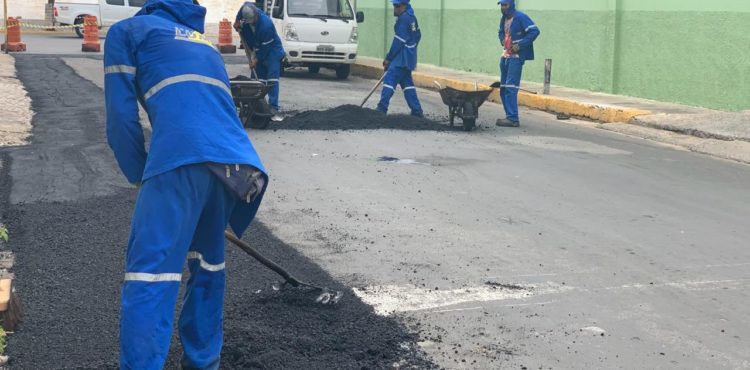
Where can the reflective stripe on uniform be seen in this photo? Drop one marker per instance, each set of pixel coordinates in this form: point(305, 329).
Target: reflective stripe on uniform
point(185, 78)
point(388, 86)
point(410, 88)
point(411, 46)
point(400, 39)
point(530, 27)
point(152, 278)
point(119, 69)
point(205, 265)
point(268, 42)
point(511, 86)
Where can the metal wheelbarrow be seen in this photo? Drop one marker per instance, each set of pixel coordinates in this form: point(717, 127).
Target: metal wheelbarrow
point(463, 104)
point(250, 99)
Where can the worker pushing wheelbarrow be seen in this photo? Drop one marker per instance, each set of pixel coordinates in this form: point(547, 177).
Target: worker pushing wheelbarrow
point(249, 94)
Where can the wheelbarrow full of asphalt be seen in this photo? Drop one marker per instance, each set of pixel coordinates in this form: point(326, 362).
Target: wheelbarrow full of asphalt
point(249, 97)
point(463, 104)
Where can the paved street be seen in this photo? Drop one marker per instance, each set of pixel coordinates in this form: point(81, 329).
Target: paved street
point(555, 245)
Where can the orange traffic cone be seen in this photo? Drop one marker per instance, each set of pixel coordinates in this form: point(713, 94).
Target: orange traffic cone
point(14, 36)
point(226, 43)
point(91, 34)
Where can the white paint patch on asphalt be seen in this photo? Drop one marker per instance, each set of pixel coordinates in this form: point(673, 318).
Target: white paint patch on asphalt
point(595, 330)
point(559, 144)
point(15, 106)
point(390, 299)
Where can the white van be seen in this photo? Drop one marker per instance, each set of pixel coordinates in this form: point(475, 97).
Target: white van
point(107, 12)
point(317, 33)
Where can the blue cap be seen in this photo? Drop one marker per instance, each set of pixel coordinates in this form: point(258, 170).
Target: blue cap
point(504, 2)
point(400, 2)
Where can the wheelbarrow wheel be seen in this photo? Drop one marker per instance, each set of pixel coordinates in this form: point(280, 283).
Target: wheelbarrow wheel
point(251, 120)
point(469, 116)
point(245, 113)
point(259, 122)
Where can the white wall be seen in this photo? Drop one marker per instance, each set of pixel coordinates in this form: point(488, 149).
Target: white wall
point(26, 9)
point(218, 9)
point(34, 9)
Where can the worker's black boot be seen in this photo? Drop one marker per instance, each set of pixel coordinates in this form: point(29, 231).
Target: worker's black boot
point(504, 122)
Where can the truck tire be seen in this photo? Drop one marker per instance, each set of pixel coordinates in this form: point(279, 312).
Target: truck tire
point(343, 71)
point(79, 30)
point(313, 68)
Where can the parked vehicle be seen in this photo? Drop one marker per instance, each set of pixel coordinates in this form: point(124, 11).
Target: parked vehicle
point(108, 12)
point(317, 33)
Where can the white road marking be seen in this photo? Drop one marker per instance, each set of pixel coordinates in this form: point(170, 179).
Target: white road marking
point(390, 299)
point(458, 309)
point(688, 285)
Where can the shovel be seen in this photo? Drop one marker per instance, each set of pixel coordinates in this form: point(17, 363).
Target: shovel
point(373, 90)
point(326, 296)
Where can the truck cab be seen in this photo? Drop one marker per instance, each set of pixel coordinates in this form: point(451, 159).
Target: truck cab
point(317, 33)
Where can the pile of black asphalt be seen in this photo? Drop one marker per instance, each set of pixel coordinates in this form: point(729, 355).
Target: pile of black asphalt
point(352, 117)
point(70, 258)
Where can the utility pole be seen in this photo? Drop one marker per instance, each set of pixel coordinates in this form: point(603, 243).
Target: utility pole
point(5, 21)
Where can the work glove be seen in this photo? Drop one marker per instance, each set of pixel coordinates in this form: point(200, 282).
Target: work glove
point(515, 48)
point(237, 25)
point(386, 63)
point(253, 63)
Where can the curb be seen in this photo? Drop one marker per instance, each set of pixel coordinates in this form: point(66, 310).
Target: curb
point(604, 114)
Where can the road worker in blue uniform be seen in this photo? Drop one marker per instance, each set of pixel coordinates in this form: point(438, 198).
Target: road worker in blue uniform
point(259, 33)
point(200, 174)
point(517, 34)
point(402, 59)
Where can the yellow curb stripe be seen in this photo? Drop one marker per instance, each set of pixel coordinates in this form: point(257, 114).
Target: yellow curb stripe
point(554, 104)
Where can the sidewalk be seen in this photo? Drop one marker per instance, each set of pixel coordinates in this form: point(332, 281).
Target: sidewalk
point(15, 105)
point(600, 107)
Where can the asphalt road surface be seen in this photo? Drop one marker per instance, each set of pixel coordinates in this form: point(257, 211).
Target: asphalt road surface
point(549, 246)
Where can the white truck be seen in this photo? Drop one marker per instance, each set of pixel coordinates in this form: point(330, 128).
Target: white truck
point(317, 33)
point(107, 12)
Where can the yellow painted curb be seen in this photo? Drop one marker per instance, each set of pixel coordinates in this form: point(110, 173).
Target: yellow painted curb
point(605, 114)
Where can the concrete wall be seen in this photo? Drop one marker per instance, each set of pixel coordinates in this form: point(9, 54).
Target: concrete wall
point(218, 9)
point(34, 9)
point(26, 9)
point(686, 51)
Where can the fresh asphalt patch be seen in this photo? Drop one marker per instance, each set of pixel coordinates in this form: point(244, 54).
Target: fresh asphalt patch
point(352, 117)
point(70, 241)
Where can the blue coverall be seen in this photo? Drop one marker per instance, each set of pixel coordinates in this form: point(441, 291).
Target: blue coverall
point(160, 58)
point(403, 60)
point(263, 39)
point(523, 32)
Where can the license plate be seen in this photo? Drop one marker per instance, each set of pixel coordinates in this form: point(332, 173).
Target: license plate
point(326, 48)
